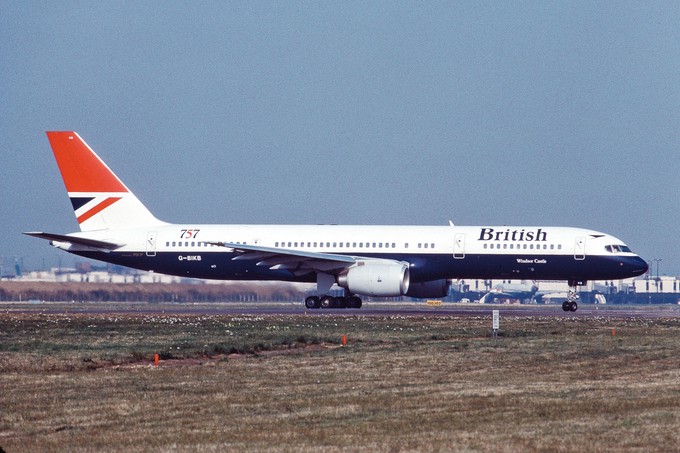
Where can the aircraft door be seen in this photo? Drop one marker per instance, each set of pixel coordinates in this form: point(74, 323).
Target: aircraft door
point(459, 246)
point(580, 248)
point(151, 243)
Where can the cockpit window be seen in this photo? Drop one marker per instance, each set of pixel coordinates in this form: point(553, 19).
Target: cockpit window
point(617, 248)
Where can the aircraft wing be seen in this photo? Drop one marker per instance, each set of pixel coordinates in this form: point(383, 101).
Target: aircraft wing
point(75, 240)
point(297, 261)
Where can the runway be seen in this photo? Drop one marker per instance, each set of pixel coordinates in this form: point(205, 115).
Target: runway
point(378, 309)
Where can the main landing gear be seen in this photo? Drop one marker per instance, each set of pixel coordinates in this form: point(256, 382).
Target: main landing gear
point(332, 302)
point(323, 285)
point(570, 304)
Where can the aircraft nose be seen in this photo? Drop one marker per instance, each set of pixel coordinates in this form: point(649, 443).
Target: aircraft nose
point(638, 266)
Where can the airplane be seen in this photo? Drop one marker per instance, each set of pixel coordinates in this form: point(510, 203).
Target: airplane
point(370, 260)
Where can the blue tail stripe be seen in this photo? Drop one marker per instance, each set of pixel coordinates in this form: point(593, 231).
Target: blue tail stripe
point(78, 202)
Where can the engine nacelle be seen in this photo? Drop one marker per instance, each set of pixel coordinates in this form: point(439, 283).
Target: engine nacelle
point(435, 289)
point(381, 278)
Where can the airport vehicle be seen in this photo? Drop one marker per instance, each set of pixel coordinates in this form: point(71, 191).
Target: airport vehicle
point(511, 291)
point(380, 261)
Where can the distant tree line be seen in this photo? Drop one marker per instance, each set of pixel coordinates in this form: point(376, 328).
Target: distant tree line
point(146, 292)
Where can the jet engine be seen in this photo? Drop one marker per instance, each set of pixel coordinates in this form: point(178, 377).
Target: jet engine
point(434, 289)
point(381, 278)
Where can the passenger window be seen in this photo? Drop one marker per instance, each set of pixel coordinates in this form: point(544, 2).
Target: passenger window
point(173, 243)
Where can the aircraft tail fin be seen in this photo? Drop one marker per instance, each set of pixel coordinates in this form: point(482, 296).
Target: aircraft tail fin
point(100, 199)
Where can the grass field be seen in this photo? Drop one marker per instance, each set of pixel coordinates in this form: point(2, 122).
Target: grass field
point(85, 382)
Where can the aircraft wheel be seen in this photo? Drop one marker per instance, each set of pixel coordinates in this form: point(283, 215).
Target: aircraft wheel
point(565, 306)
point(353, 302)
point(312, 302)
point(574, 306)
point(327, 302)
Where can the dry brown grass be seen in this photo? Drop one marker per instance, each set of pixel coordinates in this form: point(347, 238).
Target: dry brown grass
point(283, 383)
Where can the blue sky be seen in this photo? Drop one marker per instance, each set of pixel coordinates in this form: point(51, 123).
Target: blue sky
point(518, 113)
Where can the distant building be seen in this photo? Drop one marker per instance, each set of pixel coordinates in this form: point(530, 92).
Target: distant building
point(662, 284)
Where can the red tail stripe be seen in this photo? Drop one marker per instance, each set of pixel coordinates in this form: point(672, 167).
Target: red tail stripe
point(97, 209)
point(80, 167)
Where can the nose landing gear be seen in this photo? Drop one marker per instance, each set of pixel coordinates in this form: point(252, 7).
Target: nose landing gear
point(570, 304)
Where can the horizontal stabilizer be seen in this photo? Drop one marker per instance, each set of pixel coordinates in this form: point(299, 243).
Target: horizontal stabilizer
point(94, 243)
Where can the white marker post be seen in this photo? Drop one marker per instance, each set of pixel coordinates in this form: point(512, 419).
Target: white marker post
point(496, 321)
